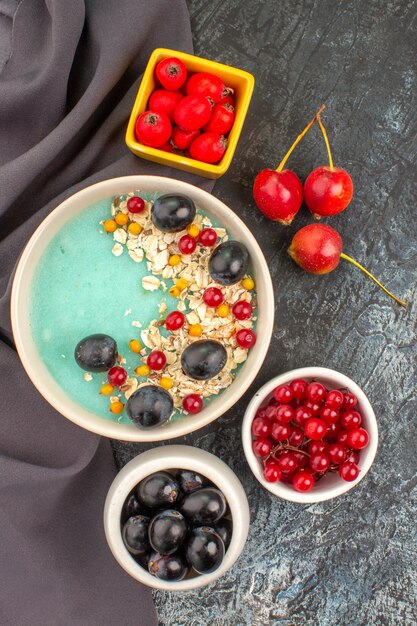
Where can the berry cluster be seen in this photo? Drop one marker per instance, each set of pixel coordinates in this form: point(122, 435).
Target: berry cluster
point(191, 114)
point(305, 431)
point(176, 523)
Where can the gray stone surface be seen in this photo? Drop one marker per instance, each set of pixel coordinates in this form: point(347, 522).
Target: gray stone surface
point(350, 561)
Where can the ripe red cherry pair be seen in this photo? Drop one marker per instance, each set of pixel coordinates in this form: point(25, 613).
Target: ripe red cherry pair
point(327, 190)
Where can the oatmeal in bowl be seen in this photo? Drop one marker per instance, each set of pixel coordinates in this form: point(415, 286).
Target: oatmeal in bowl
point(150, 308)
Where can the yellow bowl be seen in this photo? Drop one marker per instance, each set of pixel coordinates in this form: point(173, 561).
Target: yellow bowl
point(240, 81)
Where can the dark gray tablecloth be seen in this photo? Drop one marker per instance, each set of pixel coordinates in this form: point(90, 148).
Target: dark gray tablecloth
point(65, 95)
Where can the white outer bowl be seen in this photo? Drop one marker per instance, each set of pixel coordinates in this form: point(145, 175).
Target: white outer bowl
point(36, 368)
point(332, 485)
point(175, 457)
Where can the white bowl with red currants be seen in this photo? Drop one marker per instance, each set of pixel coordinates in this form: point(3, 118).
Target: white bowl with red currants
point(176, 518)
point(310, 435)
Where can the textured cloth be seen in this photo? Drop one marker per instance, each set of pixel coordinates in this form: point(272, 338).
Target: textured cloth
point(66, 90)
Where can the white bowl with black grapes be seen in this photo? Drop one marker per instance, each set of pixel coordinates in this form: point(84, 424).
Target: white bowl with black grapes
point(176, 518)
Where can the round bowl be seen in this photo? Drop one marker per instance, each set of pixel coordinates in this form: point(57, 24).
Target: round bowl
point(36, 368)
point(175, 457)
point(331, 485)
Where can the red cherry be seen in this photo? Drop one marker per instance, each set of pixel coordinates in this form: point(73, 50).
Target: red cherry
point(303, 481)
point(272, 472)
point(117, 376)
point(334, 399)
point(242, 310)
point(221, 120)
point(192, 112)
point(262, 447)
point(315, 392)
point(351, 419)
point(245, 338)
point(261, 427)
point(205, 84)
point(298, 387)
point(135, 204)
point(207, 237)
point(156, 360)
point(280, 432)
point(174, 320)
point(316, 248)
point(337, 453)
point(187, 244)
point(213, 296)
point(283, 394)
point(278, 195)
point(327, 190)
point(171, 73)
point(182, 139)
point(164, 101)
point(208, 147)
point(357, 438)
point(192, 403)
point(315, 428)
point(349, 471)
point(153, 129)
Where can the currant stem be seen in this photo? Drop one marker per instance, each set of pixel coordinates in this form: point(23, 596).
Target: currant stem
point(299, 138)
point(365, 271)
point(326, 140)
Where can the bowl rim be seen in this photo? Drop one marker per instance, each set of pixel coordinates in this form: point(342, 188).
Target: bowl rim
point(43, 380)
point(175, 457)
point(367, 456)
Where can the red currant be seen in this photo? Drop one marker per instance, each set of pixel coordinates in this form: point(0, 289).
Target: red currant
point(298, 387)
point(317, 446)
point(337, 453)
point(135, 204)
point(354, 456)
point(242, 310)
point(153, 129)
point(213, 296)
point(301, 415)
point(313, 406)
point(357, 438)
point(270, 412)
point(262, 447)
point(208, 147)
point(329, 415)
point(342, 437)
point(207, 237)
point(315, 428)
point(280, 432)
point(156, 360)
point(315, 392)
point(221, 120)
point(261, 412)
point(332, 431)
point(302, 459)
point(245, 338)
point(349, 471)
point(303, 481)
point(287, 462)
point(187, 244)
point(296, 437)
point(349, 401)
point(351, 419)
point(171, 73)
point(320, 462)
point(182, 139)
point(192, 113)
point(283, 394)
point(117, 376)
point(334, 399)
point(205, 84)
point(164, 101)
point(261, 427)
point(193, 403)
point(284, 414)
point(174, 320)
point(272, 472)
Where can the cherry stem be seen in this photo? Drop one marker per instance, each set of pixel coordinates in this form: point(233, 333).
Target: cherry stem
point(326, 140)
point(299, 138)
point(365, 271)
